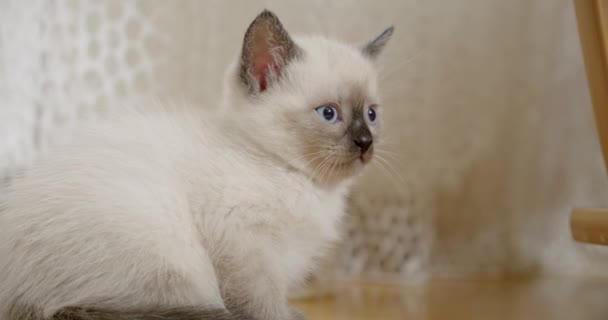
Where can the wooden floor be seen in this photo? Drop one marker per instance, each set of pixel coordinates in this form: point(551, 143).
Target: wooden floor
point(550, 299)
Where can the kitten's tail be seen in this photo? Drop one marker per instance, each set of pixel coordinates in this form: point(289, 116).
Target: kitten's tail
point(92, 313)
point(175, 313)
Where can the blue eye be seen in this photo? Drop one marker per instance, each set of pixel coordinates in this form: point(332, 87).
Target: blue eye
point(329, 113)
point(371, 115)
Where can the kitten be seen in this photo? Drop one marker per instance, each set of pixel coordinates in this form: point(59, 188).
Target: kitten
point(187, 214)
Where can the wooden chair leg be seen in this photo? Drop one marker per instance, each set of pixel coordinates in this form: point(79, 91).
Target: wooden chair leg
point(591, 225)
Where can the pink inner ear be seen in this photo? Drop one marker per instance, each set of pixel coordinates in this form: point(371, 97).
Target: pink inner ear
point(262, 64)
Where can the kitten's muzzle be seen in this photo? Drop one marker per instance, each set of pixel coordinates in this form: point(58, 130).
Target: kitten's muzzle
point(364, 142)
point(362, 139)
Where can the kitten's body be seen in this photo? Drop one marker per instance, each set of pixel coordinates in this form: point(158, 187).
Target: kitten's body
point(169, 209)
point(174, 200)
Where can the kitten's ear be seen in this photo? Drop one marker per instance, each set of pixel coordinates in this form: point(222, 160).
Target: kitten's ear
point(267, 48)
point(373, 48)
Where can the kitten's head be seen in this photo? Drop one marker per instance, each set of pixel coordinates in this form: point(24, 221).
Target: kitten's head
point(311, 102)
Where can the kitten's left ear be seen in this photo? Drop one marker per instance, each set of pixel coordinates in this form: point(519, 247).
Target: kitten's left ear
point(373, 48)
point(267, 48)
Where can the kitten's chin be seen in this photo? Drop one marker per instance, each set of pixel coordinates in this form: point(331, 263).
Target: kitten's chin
point(365, 158)
point(341, 171)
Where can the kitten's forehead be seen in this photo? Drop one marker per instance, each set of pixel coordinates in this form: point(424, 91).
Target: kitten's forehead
point(336, 67)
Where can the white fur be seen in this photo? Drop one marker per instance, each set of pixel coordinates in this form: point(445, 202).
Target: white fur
point(177, 206)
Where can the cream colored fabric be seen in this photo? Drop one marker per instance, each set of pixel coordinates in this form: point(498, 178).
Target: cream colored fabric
point(491, 131)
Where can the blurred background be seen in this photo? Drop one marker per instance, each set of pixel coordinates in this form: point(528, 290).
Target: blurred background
point(490, 124)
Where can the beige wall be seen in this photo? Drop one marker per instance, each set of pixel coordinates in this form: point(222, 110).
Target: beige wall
point(489, 115)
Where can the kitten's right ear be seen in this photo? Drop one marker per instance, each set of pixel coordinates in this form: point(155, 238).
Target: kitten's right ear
point(267, 48)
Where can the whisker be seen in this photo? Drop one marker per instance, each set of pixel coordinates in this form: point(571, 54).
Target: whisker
point(320, 152)
point(400, 66)
point(391, 168)
point(385, 171)
point(392, 155)
point(320, 166)
point(382, 159)
point(315, 158)
point(332, 168)
point(327, 165)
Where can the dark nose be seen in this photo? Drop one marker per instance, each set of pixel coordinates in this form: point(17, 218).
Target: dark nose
point(363, 142)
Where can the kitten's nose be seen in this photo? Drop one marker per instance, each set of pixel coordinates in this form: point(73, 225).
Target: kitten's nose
point(363, 142)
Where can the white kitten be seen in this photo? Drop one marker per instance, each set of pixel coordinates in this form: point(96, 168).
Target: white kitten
point(181, 214)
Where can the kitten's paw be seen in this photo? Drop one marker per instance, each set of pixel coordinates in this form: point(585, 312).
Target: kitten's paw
point(296, 314)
